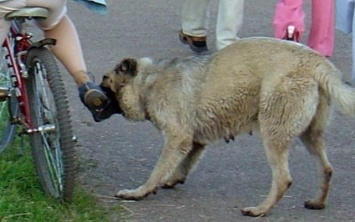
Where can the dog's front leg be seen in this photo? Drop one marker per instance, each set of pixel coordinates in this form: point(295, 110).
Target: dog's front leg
point(181, 172)
point(173, 154)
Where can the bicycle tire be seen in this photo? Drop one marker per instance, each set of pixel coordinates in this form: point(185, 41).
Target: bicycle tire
point(53, 151)
point(8, 106)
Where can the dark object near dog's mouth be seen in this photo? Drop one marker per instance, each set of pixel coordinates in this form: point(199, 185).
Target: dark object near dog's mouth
point(111, 108)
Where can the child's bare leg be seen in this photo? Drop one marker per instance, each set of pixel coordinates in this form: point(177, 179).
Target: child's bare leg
point(68, 49)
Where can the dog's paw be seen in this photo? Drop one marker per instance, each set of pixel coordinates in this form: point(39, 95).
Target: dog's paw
point(177, 178)
point(253, 212)
point(135, 194)
point(130, 194)
point(314, 205)
point(172, 184)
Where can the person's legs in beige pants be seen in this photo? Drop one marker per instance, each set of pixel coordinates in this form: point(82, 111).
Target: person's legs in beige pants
point(229, 22)
point(195, 19)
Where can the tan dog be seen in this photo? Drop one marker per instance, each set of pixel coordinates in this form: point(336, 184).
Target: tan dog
point(281, 88)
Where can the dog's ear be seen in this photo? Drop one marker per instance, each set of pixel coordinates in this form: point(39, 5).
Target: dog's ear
point(143, 63)
point(127, 67)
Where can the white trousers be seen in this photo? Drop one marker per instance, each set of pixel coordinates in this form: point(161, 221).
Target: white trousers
point(195, 19)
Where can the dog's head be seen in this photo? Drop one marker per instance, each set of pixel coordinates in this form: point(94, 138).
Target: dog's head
point(120, 81)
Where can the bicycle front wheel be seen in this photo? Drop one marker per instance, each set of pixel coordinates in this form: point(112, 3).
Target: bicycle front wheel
point(52, 141)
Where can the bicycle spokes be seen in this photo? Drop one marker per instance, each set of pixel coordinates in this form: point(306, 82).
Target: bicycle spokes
point(48, 127)
point(53, 158)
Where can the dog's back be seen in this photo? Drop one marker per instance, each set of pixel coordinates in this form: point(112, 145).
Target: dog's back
point(258, 77)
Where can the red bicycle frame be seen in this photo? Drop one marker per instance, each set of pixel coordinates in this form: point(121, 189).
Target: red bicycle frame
point(16, 55)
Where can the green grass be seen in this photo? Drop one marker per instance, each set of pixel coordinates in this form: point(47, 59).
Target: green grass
point(21, 198)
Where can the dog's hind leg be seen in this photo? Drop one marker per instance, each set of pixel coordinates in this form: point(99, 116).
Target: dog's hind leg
point(287, 108)
point(313, 139)
point(174, 152)
point(180, 174)
point(277, 153)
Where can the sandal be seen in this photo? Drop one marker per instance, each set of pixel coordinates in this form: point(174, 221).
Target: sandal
point(197, 44)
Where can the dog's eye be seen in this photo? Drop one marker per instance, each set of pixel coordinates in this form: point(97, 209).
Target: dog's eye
point(117, 69)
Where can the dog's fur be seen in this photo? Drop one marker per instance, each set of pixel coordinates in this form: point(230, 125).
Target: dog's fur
point(281, 88)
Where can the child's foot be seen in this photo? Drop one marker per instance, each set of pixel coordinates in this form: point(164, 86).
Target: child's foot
point(94, 99)
point(197, 44)
point(111, 108)
point(100, 101)
point(92, 96)
point(292, 34)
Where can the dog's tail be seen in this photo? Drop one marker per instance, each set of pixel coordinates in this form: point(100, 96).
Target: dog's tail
point(329, 79)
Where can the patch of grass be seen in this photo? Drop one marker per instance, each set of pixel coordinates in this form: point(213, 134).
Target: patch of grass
point(21, 198)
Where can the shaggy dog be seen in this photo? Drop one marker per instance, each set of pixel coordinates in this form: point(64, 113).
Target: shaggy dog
point(282, 89)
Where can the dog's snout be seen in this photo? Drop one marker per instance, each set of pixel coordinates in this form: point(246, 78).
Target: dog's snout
point(105, 81)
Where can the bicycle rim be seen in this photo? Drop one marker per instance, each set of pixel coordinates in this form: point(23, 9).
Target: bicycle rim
point(53, 144)
point(8, 105)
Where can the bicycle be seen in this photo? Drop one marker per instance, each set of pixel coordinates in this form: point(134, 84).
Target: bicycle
point(33, 102)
